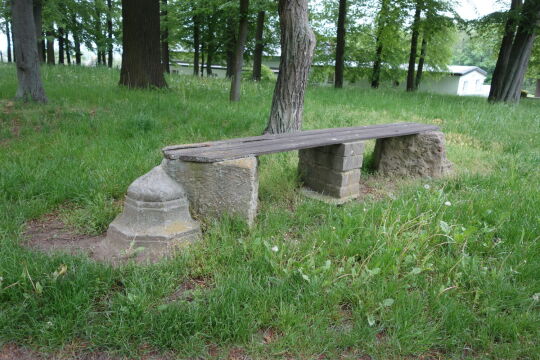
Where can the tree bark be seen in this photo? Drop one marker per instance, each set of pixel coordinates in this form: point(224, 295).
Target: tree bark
point(8, 36)
point(26, 52)
point(37, 10)
point(230, 45)
point(211, 46)
point(259, 46)
point(414, 45)
point(61, 45)
point(297, 46)
point(504, 52)
point(421, 62)
point(381, 24)
point(76, 40)
point(50, 47)
point(109, 34)
point(43, 48)
point(165, 59)
point(196, 44)
point(141, 57)
point(68, 48)
point(537, 93)
point(376, 74)
point(236, 79)
point(340, 45)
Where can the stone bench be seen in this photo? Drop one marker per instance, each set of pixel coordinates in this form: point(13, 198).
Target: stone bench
point(220, 177)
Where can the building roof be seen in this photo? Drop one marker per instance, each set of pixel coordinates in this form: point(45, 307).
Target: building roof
point(460, 70)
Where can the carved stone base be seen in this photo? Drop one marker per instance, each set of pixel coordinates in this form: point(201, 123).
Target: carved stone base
point(421, 155)
point(155, 219)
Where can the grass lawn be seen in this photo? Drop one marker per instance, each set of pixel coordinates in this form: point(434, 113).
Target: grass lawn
point(399, 275)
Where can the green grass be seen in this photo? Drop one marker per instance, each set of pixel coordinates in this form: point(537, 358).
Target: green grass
point(402, 276)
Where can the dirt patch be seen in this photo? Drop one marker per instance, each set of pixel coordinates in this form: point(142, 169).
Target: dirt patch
point(186, 289)
point(50, 234)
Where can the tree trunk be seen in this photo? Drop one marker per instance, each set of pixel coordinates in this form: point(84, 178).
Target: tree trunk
point(211, 47)
point(230, 44)
point(297, 46)
point(141, 57)
point(8, 36)
point(236, 79)
point(109, 34)
point(61, 45)
point(504, 52)
point(259, 46)
point(517, 65)
point(414, 45)
point(67, 48)
point(50, 48)
point(340, 45)
point(37, 10)
point(381, 24)
point(196, 44)
point(26, 53)
point(421, 62)
point(43, 48)
point(76, 41)
point(376, 75)
point(537, 93)
point(202, 59)
point(165, 59)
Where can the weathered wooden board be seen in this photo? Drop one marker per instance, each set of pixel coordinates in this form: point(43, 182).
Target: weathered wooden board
point(268, 144)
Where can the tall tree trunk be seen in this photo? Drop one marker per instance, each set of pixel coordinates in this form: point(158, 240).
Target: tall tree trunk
point(67, 47)
point(211, 46)
point(76, 40)
point(43, 48)
point(517, 68)
point(37, 9)
point(165, 59)
point(61, 45)
point(8, 36)
point(99, 33)
point(259, 46)
point(297, 46)
point(50, 47)
point(103, 60)
point(421, 62)
point(196, 44)
point(110, 34)
point(504, 52)
point(376, 74)
point(26, 52)
point(414, 45)
point(202, 59)
point(340, 45)
point(230, 46)
point(377, 64)
point(141, 58)
point(537, 93)
point(236, 80)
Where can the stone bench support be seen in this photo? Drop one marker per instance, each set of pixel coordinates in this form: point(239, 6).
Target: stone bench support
point(332, 171)
point(421, 155)
point(155, 218)
point(215, 189)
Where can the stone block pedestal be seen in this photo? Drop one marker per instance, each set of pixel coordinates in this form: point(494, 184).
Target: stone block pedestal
point(420, 155)
point(219, 188)
point(332, 173)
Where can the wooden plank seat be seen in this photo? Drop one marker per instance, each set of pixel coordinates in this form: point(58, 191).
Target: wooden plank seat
point(215, 151)
point(218, 178)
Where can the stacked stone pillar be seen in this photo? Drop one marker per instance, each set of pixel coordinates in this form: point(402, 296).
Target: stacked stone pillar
point(332, 171)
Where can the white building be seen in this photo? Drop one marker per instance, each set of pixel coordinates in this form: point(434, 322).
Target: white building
point(460, 80)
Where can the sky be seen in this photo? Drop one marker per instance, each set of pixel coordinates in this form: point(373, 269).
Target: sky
point(468, 9)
